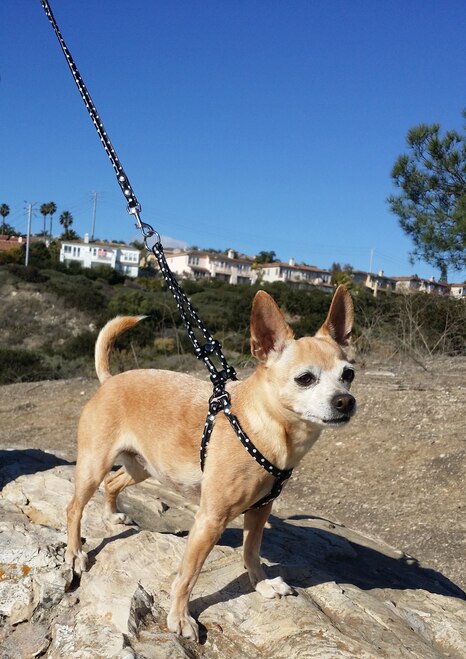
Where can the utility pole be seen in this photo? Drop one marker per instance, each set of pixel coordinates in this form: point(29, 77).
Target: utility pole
point(95, 196)
point(371, 261)
point(26, 260)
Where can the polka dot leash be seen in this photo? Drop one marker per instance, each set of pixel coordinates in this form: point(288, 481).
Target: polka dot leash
point(220, 399)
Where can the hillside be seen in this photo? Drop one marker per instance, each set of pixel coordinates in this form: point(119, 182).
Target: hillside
point(49, 319)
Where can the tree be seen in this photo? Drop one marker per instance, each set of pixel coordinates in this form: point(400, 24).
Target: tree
point(44, 210)
point(265, 257)
point(431, 206)
point(4, 212)
point(66, 220)
point(48, 209)
point(52, 209)
point(342, 274)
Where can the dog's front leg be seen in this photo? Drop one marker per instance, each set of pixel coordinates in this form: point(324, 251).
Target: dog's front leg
point(205, 532)
point(254, 521)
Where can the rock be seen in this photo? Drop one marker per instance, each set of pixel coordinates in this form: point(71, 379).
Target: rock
point(354, 596)
point(26, 640)
point(32, 572)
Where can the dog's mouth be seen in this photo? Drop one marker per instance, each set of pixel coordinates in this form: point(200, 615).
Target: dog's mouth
point(335, 422)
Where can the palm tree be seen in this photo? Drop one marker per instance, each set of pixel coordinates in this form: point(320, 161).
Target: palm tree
point(66, 220)
point(44, 210)
point(4, 211)
point(52, 209)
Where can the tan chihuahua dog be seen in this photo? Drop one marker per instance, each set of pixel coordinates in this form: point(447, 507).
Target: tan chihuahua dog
point(152, 422)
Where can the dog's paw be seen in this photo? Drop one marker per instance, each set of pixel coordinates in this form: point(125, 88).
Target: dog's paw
point(273, 588)
point(77, 561)
point(183, 625)
point(120, 518)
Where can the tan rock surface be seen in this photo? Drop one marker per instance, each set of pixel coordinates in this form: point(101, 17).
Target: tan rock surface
point(354, 596)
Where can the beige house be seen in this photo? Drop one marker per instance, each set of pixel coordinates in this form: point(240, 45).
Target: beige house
point(197, 264)
point(297, 275)
point(376, 282)
point(413, 284)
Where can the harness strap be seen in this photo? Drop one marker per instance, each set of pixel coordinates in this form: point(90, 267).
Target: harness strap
point(220, 399)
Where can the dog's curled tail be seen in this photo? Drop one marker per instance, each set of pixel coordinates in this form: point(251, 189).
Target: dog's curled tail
point(106, 339)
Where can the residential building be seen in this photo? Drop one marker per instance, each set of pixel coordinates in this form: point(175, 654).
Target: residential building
point(376, 282)
point(198, 264)
point(122, 258)
point(413, 284)
point(296, 275)
point(458, 291)
point(11, 242)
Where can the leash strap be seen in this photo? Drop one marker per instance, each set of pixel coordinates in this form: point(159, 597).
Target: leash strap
point(122, 179)
point(220, 399)
point(211, 348)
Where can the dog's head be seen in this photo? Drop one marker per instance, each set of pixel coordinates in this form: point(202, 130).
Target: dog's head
point(308, 377)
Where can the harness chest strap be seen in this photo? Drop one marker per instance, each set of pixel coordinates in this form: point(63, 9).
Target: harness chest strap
point(221, 401)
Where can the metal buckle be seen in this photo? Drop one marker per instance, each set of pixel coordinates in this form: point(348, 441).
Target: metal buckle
point(219, 402)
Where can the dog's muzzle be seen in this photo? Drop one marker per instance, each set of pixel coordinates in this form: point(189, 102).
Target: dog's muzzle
point(343, 407)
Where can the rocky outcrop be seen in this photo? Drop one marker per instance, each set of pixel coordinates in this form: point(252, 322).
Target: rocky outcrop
point(354, 596)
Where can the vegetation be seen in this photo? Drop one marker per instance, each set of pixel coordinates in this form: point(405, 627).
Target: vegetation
point(50, 316)
point(48, 209)
point(432, 203)
point(4, 212)
point(342, 274)
point(66, 220)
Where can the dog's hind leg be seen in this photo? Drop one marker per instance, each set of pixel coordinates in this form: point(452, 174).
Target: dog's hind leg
point(116, 481)
point(254, 521)
point(90, 472)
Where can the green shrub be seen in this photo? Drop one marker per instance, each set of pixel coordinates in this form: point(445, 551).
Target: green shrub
point(78, 346)
point(77, 291)
point(27, 273)
point(24, 366)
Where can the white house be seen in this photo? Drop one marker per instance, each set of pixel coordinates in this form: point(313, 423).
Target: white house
point(122, 258)
point(197, 264)
point(458, 291)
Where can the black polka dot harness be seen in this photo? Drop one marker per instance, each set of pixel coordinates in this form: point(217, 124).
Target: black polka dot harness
point(220, 399)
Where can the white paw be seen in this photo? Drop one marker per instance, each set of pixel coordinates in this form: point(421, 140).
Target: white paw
point(183, 625)
point(273, 588)
point(77, 561)
point(120, 518)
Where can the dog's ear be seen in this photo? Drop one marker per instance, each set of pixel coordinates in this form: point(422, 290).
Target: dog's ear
point(269, 329)
point(339, 321)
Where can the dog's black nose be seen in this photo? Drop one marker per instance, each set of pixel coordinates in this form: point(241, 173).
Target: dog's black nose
point(344, 403)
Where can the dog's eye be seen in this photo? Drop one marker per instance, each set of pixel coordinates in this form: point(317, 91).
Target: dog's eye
point(305, 379)
point(348, 375)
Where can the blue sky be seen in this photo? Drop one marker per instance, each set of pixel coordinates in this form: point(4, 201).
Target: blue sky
point(252, 124)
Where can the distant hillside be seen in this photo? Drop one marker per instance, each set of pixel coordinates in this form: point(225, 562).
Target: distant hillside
point(49, 320)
